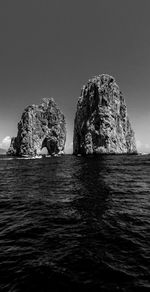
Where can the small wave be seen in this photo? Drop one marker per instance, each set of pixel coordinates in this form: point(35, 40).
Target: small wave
point(7, 158)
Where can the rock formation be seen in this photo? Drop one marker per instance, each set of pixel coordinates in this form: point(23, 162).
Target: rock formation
point(40, 126)
point(101, 123)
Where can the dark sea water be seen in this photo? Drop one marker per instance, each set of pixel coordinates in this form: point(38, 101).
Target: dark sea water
point(75, 223)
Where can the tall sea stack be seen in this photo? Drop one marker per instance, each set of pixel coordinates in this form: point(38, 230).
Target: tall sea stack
point(40, 126)
point(101, 123)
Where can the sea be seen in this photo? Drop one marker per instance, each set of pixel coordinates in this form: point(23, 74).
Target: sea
point(75, 223)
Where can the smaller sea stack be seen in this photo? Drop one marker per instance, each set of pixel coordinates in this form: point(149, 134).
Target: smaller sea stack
point(101, 123)
point(40, 126)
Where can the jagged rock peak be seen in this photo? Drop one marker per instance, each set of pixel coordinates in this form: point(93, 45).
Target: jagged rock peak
point(101, 123)
point(40, 126)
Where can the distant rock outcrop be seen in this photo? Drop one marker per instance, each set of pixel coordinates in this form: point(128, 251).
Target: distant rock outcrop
point(40, 126)
point(101, 123)
point(2, 151)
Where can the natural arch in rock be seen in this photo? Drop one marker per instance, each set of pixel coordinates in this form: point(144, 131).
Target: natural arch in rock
point(51, 144)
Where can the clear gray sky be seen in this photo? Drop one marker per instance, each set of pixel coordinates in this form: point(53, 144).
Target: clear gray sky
point(52, 47)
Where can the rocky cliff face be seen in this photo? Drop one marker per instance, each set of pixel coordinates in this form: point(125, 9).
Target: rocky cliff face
point(101, 123)
point(40, 126)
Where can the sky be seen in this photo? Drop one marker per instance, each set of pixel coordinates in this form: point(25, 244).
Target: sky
point(53, 47)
